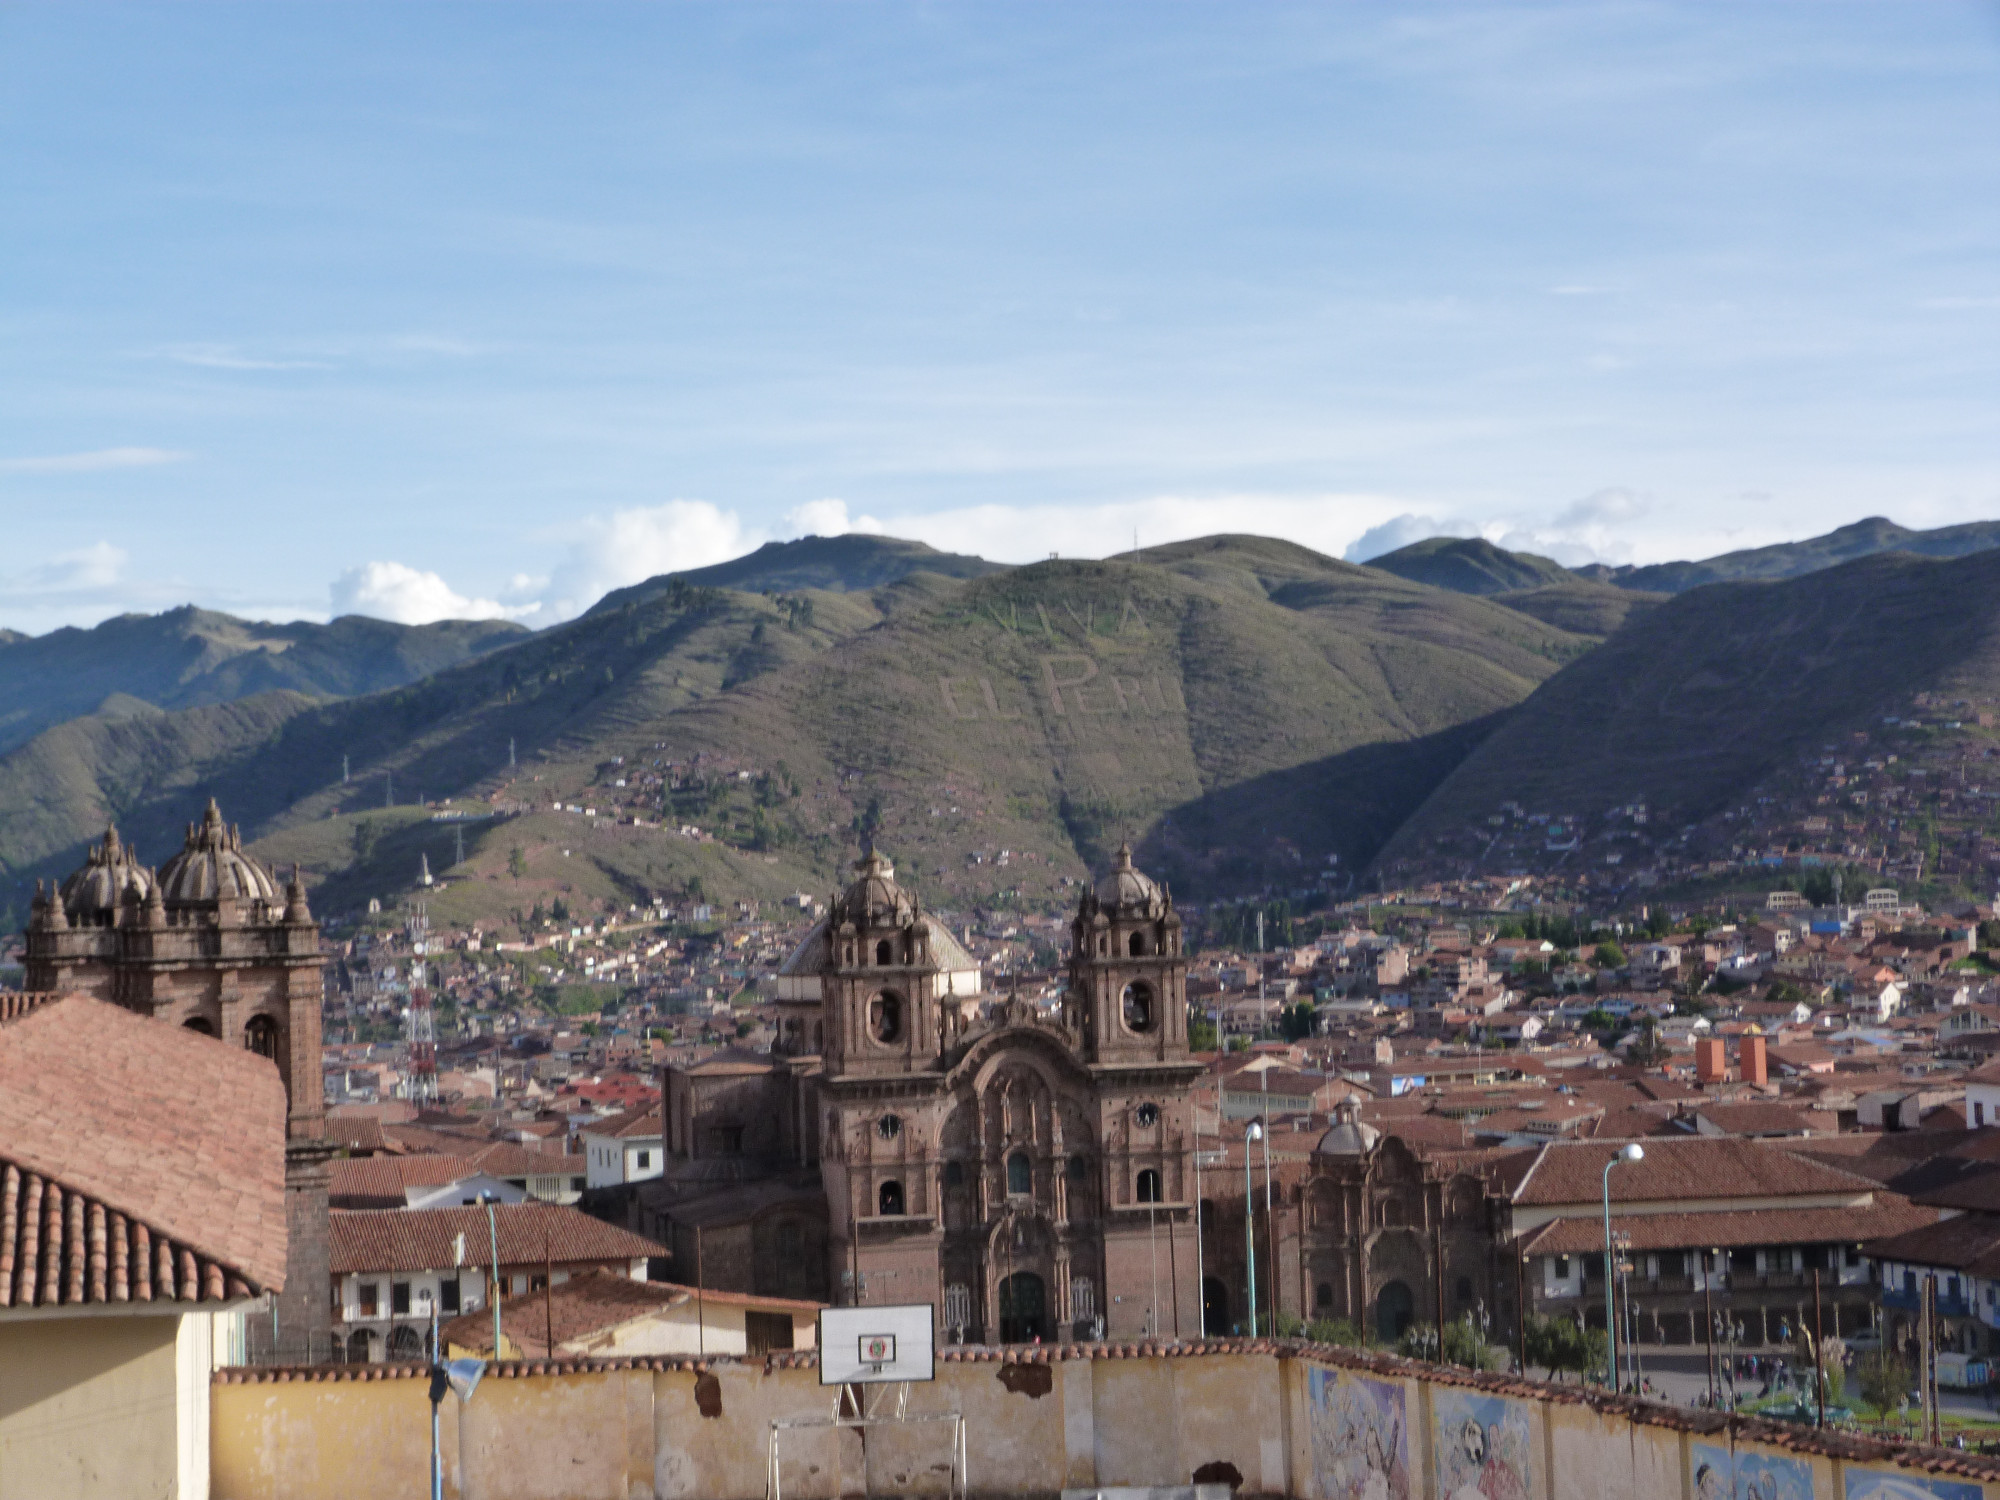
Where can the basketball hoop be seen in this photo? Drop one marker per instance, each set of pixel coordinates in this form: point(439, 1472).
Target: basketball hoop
point(883, 1347)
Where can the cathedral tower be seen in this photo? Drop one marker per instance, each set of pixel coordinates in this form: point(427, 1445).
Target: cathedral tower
point(1128, 978)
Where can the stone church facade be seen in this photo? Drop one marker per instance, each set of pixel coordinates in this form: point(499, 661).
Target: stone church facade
point(1030, 1174)
point(211, 942)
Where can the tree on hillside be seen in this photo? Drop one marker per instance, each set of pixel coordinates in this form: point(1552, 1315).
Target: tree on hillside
point(517, 862)
point(1609, 955)
point(363, 839)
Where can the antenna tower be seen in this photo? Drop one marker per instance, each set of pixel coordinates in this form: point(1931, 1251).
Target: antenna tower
point(423, 1086)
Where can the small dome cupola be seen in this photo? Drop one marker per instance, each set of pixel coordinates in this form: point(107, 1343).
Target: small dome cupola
point(1348, 1135)
point(92, 894)
point(1127, 890)
point(212, 867)
point(874, 899)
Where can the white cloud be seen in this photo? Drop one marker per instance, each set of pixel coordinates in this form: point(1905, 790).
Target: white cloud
point(1026, 533)
point(629, 546)
point(408, 596)
point(92, 462)
point(1400, 531)
point(228, 357)
point(826, 518)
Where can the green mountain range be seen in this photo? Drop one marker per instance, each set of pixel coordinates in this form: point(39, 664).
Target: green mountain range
point(1470, 565)
point(1243, 708)
point(1248, 712)
point(1696, 702)
point(1795, 559)
point(192, 656)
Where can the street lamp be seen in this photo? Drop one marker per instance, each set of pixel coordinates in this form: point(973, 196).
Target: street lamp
point(1631, 1151)
point(1253, 1134)
point(493, 1291)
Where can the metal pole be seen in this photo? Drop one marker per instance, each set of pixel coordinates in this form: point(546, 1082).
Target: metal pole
point(493, 1239)
point(548, 1300)
point(1153, 1247)
point(1521, 1307)
point(1250, 1225)
point(1819, 1358)
point(1708, 1322)
point(437, 1448)
point(1200, 1253)
point(700, 1302)
point(1270, 1221)
point(1610, 1282)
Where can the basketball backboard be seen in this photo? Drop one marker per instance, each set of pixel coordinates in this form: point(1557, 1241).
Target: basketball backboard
point(861, 1345)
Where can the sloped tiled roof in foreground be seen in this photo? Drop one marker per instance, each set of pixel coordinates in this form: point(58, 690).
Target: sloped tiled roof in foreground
point(139, 1162)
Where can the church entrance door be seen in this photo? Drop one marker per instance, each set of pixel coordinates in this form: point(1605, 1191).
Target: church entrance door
point(1394, 1308)
point(1214, 1308)
point(1023, 1309)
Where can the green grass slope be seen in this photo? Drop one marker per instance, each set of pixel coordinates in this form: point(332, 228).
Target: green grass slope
point(837, 564)
point(1241, 708)
point(190, 656)
point(1580, 605)
point(1694, 702)
point(1470, 565)
point(1794, 559)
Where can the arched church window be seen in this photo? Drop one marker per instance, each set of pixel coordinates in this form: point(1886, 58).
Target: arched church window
point(884, 954)
point(890, 1199)
point(885, 1016)
point(1323, 1295)
point(1149, 1186)
point(1137, 1003)
point(1020, 1175)
point(200, 1024)
point(889, 1127)
point(261, 1036)
point(1079, 1169)
point(954, 1174)
point(1149, 1116)
point(1137, 946)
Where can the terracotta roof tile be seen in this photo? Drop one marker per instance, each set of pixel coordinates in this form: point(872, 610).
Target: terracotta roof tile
point(1888, 1214)
point(1706, 1167)
point(421, 1239)
point(140, 1160)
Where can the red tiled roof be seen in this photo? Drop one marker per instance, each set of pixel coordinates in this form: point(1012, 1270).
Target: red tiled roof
point(1710, 1167)
point(421, 1239)
point(138, 1161)
point(1888, 1214)
point(1970, 1242)
point(380, 1181)
point(633, 1122)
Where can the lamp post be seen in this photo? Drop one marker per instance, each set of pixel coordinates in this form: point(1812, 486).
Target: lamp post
point(1631, 1151)
point(1254, 1133)
point(493, 1292)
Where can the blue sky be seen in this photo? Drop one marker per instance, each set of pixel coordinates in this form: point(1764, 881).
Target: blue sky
point(435, 309)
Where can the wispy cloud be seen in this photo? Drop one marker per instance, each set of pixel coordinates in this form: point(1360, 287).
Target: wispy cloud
point(94, 461)
point(228, 357)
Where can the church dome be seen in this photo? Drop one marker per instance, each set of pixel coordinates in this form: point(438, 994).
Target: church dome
point(212, 865)
point(1128, 888)
point(96, 889)
point(1348, 1135)
point(875, 900)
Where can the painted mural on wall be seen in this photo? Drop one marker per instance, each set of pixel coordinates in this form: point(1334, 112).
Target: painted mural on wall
point(1483, 1446)
point(1893, 1484)
point(1749, 1474)
point(1360, 1439)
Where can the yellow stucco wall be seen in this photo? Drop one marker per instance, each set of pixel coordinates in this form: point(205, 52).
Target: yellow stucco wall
point(1280, 1426)
point(90, 1407)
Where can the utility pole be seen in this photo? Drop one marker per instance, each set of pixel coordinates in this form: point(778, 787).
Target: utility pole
point(344, 776)
point(510, 752)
